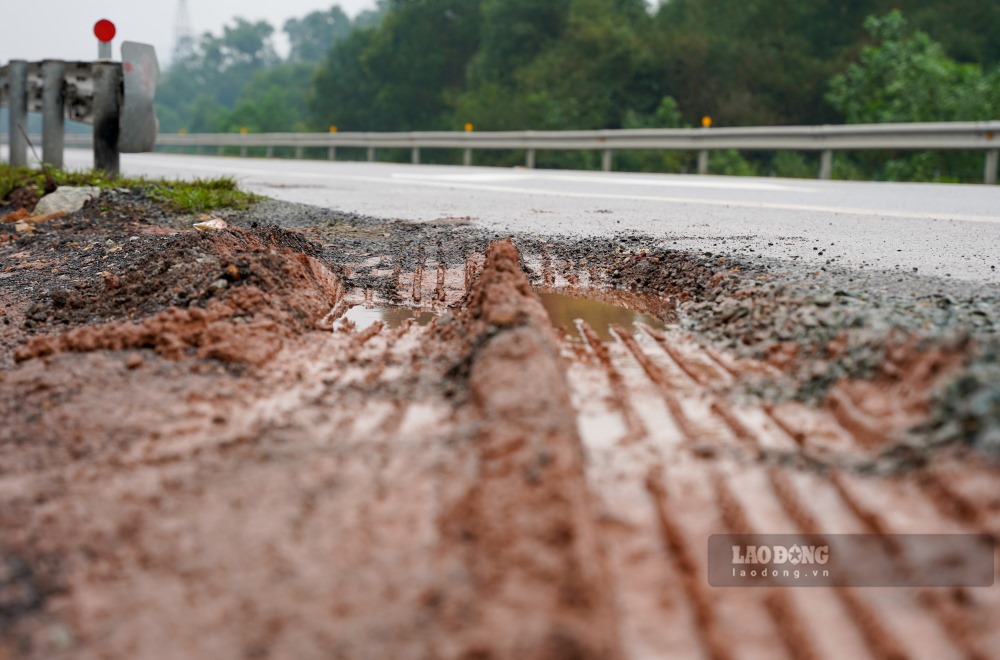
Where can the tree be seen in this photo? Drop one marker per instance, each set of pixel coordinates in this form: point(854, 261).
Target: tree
point(212, 77)
point(514, 33)
point(404, 74)
point(755, 62)
point(566, 64)
point(275, 100)
point(969, 30)
point(246, 43)
point(312, 37)
point(370, 18)
point(667, 115)
point(907, 77)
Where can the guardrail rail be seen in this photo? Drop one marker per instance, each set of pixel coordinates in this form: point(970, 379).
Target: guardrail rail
point(983, 136)
point(974, 136)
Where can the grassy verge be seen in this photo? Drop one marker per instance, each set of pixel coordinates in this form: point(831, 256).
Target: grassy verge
point(200, 195)
point(194, 196)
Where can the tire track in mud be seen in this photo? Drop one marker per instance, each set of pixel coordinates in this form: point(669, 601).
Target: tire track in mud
point(620, 402)
point(881, 643)
point(418, 276)
point(806, 623)
point(526, 528)
point(710, 630)
point(657, 376)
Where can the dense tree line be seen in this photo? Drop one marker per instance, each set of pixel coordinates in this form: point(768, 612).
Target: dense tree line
point(582, 64)
point(236, 80)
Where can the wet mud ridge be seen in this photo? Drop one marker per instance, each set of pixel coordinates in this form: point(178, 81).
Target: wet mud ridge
point(352, 439)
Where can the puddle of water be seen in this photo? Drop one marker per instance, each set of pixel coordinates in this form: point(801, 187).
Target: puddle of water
point(392, 317)
point(565, 310)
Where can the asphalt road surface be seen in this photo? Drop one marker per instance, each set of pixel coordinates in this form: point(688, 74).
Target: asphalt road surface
point(934, 229)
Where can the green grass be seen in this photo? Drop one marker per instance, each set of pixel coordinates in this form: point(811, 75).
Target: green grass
point(194, 196)
point(202, 195)
point(12, 178)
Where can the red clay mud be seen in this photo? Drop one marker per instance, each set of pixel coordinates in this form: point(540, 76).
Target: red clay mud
point(526, 528)
point(878, 409)
point(234, 472)
point(276, 294)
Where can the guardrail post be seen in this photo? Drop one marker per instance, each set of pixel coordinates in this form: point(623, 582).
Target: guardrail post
point(298, 152)
point(415, 155)
point(107, 111)
point(371, 154)
point(529, 159)
point(243, 151)
point(53, 111)
point(467, 157)
point(17, 107)
point(826, 165)
point(703, 161)
point(606, 157)
point(990, 175)
point(270, 151)
point(331, 153)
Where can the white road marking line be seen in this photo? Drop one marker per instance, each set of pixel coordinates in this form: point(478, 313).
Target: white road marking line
point(707, 182)
point(590, 178)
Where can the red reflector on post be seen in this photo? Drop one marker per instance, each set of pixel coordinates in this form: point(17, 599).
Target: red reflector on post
point(104, 30)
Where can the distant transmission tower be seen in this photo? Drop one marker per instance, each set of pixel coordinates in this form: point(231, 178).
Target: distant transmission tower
point(183, 32)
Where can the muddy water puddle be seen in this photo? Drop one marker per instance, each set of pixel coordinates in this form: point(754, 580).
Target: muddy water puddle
point(599, 309)
point(392, 317)
point(564, 310)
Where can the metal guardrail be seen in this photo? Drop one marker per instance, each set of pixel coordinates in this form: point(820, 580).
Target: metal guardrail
point(972, 136)
point(976, 136)
point(115, 97)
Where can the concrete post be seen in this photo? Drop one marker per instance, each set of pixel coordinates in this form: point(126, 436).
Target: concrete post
point(371, 154)
point(990, 174)
point(826, 165)
point(17, 107)
point(53, 111)
point(606, 157)
point(107, 119)
point(415, 155)
point(529, 159)
point(467, 157)
point(703, 161)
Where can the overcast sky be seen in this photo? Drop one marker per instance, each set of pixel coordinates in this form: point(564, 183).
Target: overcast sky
point(63, 29)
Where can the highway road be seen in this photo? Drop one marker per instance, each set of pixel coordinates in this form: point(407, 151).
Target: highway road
point(937, 229)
